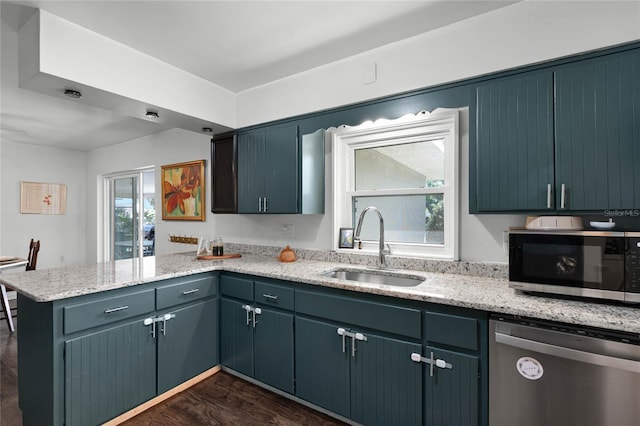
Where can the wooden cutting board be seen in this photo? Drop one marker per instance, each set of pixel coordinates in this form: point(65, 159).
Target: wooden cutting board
point(224, 256)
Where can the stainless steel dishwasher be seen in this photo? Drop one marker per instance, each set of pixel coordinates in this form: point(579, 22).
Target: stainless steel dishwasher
point(547, 374)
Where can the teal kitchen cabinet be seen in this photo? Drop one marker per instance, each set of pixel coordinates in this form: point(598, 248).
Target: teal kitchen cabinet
point(101, 354)
point(187, 343)
point(560, 139)
point(256, 329)
point(514, 143)
point(268, 170)
point(597, 133)
point(353, 357)
point(452, 374)
point(108, 372)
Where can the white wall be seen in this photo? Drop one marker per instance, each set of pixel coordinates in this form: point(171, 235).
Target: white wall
point(524, 33)
point(62, 237)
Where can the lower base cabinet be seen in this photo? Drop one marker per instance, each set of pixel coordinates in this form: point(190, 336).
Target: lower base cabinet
point(108, 373)
point(372, 381)
point(256, 339)
point(187, 344)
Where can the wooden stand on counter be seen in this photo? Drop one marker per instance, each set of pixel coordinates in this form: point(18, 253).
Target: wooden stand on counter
point(224, 256)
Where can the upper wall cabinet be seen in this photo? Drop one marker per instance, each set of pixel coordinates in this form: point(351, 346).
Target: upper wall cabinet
point(224, 174)
point(268, 170)
point(280, 172)
point(514, 145)
point(597, 133)
point(576, 154)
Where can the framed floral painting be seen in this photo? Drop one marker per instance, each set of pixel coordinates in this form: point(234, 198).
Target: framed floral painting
point(183, 191)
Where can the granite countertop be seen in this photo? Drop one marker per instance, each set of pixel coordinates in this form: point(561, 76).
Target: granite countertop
point(475, 292)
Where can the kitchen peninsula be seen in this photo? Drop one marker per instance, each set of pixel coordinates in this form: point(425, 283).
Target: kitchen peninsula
point(147, 299)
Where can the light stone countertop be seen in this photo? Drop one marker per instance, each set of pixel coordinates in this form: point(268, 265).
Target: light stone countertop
point(475, 292)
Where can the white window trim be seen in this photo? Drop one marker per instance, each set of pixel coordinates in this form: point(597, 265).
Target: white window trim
point(440, 124)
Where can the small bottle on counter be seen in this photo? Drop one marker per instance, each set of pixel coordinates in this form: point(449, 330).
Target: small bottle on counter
point(218, 249)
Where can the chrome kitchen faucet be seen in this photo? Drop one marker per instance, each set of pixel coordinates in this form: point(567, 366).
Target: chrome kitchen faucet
point(382, 251)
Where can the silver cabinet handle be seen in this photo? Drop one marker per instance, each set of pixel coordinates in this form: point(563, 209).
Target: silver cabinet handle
point(548, 195)
point(121, 308)
point(265, 204)
point(152, 323)
point(562, 197)
point(164, 319)
point(259, 204)
point(187, 292)
point(342, 332)
point(270, 297)
point(248, 308)
point(356, 336)
point(433, 362)
point(256, 311)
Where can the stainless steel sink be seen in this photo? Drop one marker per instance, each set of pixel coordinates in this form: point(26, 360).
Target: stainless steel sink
point(376, 277)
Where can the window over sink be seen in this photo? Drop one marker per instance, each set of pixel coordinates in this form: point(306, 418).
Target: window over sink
point(408, 169)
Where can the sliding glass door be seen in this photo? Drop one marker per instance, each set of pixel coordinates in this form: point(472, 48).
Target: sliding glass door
point(130, 230)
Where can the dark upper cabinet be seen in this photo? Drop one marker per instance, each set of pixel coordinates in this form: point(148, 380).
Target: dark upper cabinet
point(561, 139)
point(597, 133)
point(514, 145)
point(224, 174)
point(268, 177)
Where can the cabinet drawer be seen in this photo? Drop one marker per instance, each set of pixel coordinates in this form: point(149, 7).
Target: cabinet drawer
point(240, 288)
point(92, 314)
point(273, 295)
point(378, 316)
point(451, 330)
point(186, 291)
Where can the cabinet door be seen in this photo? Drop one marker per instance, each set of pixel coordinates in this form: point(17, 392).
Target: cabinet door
point(224, 175)
point(236, 337)
point(514, 144)
point(597, 133)
point(386, 386)
point(322, 366)
point(451, 395)
point(108, 372)
point(187, 344)
point(251, 167)
point(281, 169)
point(273, 349)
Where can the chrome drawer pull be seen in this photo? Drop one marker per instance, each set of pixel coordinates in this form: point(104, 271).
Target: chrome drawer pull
point(270, 297)
point(195, 290)
point(121, 308)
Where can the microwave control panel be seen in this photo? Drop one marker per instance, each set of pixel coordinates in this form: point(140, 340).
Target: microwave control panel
point(632, 265)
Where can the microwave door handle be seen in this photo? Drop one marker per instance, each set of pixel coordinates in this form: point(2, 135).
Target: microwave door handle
point(568, 353)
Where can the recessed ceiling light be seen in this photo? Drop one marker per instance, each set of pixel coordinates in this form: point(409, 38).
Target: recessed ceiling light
point(152, 114)
point(207, 129)
point(72, 93)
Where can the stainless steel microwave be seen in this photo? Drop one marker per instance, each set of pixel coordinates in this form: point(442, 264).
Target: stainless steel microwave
point(596, 264)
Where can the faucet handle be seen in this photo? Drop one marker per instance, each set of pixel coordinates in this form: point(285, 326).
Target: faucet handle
point(387, 249)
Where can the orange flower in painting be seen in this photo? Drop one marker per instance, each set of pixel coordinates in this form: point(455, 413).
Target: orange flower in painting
point(188, 187)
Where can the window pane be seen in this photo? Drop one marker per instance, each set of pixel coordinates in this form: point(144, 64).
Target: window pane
point(410, 165)
point(407, 218)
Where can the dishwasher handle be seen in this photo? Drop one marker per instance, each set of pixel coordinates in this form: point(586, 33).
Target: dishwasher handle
point(568, 353)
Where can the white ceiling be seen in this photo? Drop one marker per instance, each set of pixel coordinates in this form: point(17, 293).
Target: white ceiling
point(235, 44)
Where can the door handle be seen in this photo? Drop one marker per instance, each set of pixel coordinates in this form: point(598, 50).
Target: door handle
point(121, 308)
point(248, 309)
point(562, 197)
point(255, 311)
point(164, 319)
point(152, 323)
point(548, 195)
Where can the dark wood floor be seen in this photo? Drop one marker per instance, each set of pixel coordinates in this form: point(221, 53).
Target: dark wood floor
point(222, 399)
